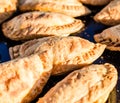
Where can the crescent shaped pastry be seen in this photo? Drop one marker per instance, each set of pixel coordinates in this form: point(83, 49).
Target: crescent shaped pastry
point(7, 8)
point(38, 24)
point(21, 80)
point(110, 37)
point(91, 84)
point(110, 15)
point(95, 2)
point(68, 7)
point(69, 53)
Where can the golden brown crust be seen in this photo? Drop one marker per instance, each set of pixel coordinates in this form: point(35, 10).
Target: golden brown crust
point(37, 24)
point(95, 2)
point(86, 85)
point(110, 15)
point(72, 8)
point(21, 80)
point(69, 52)
point(110, 37)
point(7, 8)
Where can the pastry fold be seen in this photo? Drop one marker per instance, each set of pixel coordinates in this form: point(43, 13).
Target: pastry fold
point(37, 24)
point(69, 53)
point(68, 7)
point(110, 37)
point(91, 84)
point(21, 80)
point(110, 15)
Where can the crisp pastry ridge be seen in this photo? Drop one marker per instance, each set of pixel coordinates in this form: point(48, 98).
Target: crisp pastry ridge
point(86, 85)
point(22, 79)
point(95, 2)
point(36, 24)
point(79, 51)
point(109, 15)
point(110, 37)
point(72, 8)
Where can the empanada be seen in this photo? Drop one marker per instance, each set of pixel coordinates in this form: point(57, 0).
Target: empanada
point(69, 7)
point(91, 84)
point(38, 24)
point(69, 53)
point(21, 80)
point(95, 2)
point(110, 37)
point(110, 15)
point(7, 8)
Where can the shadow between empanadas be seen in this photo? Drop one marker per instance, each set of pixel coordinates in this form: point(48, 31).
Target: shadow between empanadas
point(95, 2)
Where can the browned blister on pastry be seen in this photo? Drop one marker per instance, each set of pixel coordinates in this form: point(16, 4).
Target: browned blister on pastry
point(21, 80)
point(110, 37)
point(38, 24)
point(95, 2)
point(69, 52)
point(7, 8)
point(68, 7)
point(91, 84)
point(110, 15)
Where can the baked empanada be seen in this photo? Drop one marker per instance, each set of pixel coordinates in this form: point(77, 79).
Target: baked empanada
point(69, 53)
point(7, 8)
point(110, 37)
point(38, 24)
point(21, 80)
point(95, 2)
point(68, 7)
point(91, 84)
point(110, 15)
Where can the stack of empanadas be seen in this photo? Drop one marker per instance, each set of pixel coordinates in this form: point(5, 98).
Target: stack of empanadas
point(22, 79)
point(52, 52)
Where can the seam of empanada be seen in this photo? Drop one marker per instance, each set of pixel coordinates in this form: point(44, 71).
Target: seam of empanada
point(84, 59)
